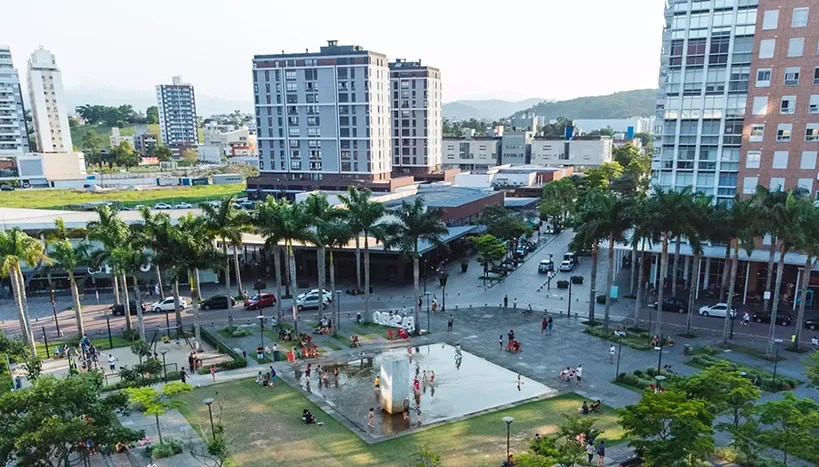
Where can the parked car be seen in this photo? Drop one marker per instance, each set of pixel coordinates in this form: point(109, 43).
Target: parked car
point(566, 266)
point(672, 304)
point(183, 206)
point(139, 206)
point(783, 318)
point(162, 206)
point(310, 300)
point(6, 188)
point(327, 294)
point(218, 302)
point(258, 301)
point(546, 265)
point(570, 257)
point(718, 310)
point(811, 323)
point(167, 304)
point(119, 309)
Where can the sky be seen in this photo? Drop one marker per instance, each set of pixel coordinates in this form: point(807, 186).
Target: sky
point(554, 49)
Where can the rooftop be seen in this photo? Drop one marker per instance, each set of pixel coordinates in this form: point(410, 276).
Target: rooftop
point(442, 196)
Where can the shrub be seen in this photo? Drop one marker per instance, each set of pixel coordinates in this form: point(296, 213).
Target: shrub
point(236, 331)
point(132, 335)
point(167, 448)
point(601, 299)
point(576, 279)
point(562, 284)
point(145, 381)
point(783, 383)
point(705, 350)
point(238, 360)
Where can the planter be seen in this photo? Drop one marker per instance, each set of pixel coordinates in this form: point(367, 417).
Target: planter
point(562, 284)
point(601, 299)
point(577, 279)
point(464, 267)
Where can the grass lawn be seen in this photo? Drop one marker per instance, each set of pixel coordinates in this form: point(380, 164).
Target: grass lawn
point(100, 343)
point(267, 430)
point(224, 333)
point(56, 199)
point(749, 351)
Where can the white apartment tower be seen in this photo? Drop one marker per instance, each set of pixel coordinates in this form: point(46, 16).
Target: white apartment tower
point(416, 117)
point(13, 134)
point(705, 67)
point(323, 118)
point(177, 114)
point(49, 113)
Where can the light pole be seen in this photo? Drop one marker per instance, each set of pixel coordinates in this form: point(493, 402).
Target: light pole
point(660, 348)
point(619, 351)
point(569, 313)
point(427, 294)
point(660, 379)
point(164, 367)
point(54, 310)
point(261, 330)
point(442, 278)
point(338, 312)
point(776, 358)
point(208, 402)
point(508, 421)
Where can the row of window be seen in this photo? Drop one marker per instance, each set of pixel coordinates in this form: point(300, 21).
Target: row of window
point(791, 76)
point(753, 160)
point(787, 105)
point(776, 184)
point(784, 132)
point(799, 19)
point(796, 47)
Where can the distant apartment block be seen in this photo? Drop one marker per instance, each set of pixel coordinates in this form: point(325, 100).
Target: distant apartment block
point(13, 133)
point(581, 151)
point(116, 138)
point(144, 142)
point(516, 147)
point(323, 120)
point(471, 153)
point(416, 117)
point(177, 114)
point(47, 99)
point(619, 125)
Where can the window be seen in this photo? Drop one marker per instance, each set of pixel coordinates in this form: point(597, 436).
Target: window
point(800, 18)
point(295, 165)
point(813, 106)
point(290, 75)
point(808, 160)
point(757, 132)
point(760, 105)
point(777, 184)
point(812, 132)
point(293, 132)
point(783, 132)
point(788, 105)
point(763, 78)
point(752, 159)
point(749, 185)
point(806, 183)
point(780, 160)
point(770, 20)
point(766, 48)
point(816, 74)
point(291, 87)
point(796, 46)
point(792, 76)
point(696, 52)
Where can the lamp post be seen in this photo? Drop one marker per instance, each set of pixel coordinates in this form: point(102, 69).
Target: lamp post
point(776, 358)
point(442, 278)
point(660, 379)
point(261, 330)
point(208, 402)
point(338, 312)
point(569, 313)
point(660, 349)
point(619, 352)
point(54, 310)
point(508, 421)
point(427, 295)
point(164, 367)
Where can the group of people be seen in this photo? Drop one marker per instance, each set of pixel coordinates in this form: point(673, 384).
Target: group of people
point(546, 326)
point(267, 379)
point(571, 374)
point(513, 345)
point(587, 408)
point(322, 374)
point(308, 418)
point(325, 326)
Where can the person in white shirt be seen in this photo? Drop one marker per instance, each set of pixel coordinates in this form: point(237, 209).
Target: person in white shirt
point(746, 319)
point(578, 373)
point(112, 362)
point(814, 342)
point(611, 353)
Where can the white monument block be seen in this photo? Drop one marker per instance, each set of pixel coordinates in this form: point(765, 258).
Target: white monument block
point(395, 383)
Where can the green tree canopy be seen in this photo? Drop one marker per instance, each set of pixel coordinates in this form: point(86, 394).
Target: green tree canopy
point(793, 426)
point(152, 115)
point(501, 223)
point(559, 198)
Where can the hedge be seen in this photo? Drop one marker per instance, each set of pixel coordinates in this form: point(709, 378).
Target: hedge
point(562, 284)
point(147, 381)
point(576, 279)
point(238, 360)
point(783, 383)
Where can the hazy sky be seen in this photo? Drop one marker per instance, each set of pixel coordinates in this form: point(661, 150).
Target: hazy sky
point(507, 50)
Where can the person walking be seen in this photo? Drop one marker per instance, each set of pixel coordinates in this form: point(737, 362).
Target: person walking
point(543, 326)
point(578, 372)
point(746, 319)
point(273, 376)
point(590, 451)
point(112, 362)
point(515, 304)
point(370, 417)
point(449, 322)
point(506, 301)
point(183, 376)
point(191, 361)
point(601, 453)
point(814, 342)
point(213, 372)
point(612, 349)
point(500, 342)
point(549, 328)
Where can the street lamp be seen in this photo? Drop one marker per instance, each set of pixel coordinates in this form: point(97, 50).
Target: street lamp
point(660, 379)
point(54, 310)
point(569, 313)
point(338, 312)
point(776, 358)
point(619, 352)
point(165, 367)
point(660, 349)
point(427, 294)
point(508, 421)
point(208, 402)
point(442, 278)
point(261, 330)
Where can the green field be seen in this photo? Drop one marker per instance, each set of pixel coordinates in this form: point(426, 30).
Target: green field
point(59, 199)
point(266, 428)
point(104, 131)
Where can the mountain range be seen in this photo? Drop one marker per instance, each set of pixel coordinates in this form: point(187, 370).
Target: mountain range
point(639, 102)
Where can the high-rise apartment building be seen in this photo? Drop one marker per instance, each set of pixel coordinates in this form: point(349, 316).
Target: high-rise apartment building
point(781, 137)
point(177, 114)
point(13, 133)
point(708, 48)
point(417, 124)
point(323, 119)
point(47, 99)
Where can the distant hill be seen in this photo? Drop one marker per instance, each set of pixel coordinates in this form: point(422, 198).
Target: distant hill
point(640, 102)
point(491, 109)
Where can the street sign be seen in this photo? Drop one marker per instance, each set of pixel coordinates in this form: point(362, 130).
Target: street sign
point(767, 295)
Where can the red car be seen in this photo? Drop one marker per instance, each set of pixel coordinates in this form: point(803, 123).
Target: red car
point(265, 299)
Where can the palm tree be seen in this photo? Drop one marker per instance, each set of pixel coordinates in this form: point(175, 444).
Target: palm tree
point(743, 219)
point(321, 213)
point(128, 257)
point(642, 231)
point(151, 223)
point(699, 228)
point(415, 223)
point(364, 216)
point(667, 211)
point(168, 254)
point(808, 241)
point(334, 234)
point(227, 223)
point(788, 219)
point(111, 231)
point(17, 247)
point(69, 258)
point(267, 222)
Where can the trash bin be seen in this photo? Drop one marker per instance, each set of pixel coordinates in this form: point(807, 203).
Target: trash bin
point(358, 317)
point(276, 356)
point(686, 349)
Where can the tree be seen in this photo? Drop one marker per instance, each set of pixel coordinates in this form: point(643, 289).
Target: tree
point(267, 222)
point(189, 155)
point(698, 231)
point(17, 247)
point(565, 448)
point(71, 257)
point(320, 213)
point(415, 224)
point(766, 200)
point(217, 448)
point(559, 198)
point(722, 388)
point(744, 224)
point(501, 223)
point(91, 144)
point(335, 234)
point(125, 155)
point(152, 115)
point(127, 258)
point(598, 177)
point(54, 419)
point(794, 426)
point(807, 241)
point(669, 429)
point(364, 217)
point(645, 138)
point(162, 153)
point(490, 251)
point(111, 231)
point(153, 402)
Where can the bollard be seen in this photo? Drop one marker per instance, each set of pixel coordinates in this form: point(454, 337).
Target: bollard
point(470, 306)
point(456, 307)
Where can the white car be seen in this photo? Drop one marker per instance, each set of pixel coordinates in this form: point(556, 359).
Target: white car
point(310, 300)
point(167, 304)
point(719, 310)
point(327, 294)
point(162, 206)
point(566, 266)
point(139, 207)
point(183, 206)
